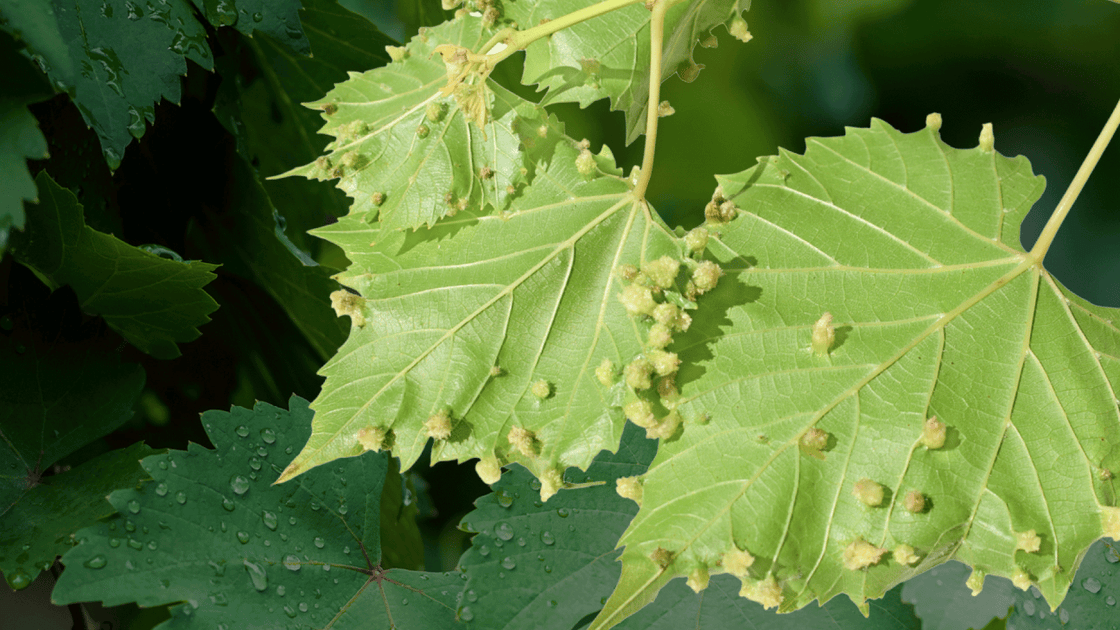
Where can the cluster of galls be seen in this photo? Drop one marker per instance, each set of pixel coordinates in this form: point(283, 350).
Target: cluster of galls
point(647, 294)
point(466, 82)
point(488, 9)
point(720, 209)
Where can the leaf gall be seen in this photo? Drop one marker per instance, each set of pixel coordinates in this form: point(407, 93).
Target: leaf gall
point(868, 492)
point(861, 554)
point(824, 335)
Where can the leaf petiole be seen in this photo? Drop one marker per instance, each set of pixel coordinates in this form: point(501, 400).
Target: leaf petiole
point(1046, 238)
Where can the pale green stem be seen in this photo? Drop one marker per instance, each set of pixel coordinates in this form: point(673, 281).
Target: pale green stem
point(656, 38)
point(1042, 245)
point(521, 39)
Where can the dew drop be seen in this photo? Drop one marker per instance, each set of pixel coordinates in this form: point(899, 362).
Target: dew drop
point(472, 596)
point(1028, 607)
point(1063, 615)
point(1110, 600)
point(1112, 555)
point(257, 575)
point(466, 614)
point(503, 531)
point(268, 435)
point(509, 563)
point(152, 545)
point(243, 537)
point(280, 590)
point(258, 16)
point(1093, 585)
point(228, 505)
point(219, 599)
point(505, 499)
point(239, 484)
point(291, 520)
point(563, 512)
point(520, 541)
point(484, 551)
point(254, 463)
point(547, 537)
point(242, 430)
point(181, 497)
point(161, 489)
point(269, 519)
point(163, 465)
point(134, 506)
point(319, 542)
point(289, 611)
point(346, 550)
point(96, 562)
point(342, 509)
point(547, 569)
point(135, 544)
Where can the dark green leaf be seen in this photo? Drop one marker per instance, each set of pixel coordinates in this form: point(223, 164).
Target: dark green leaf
point(212, 531)
point(154, 302)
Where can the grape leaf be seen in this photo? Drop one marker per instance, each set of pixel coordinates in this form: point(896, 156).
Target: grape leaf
point(546, 565)
point(153, 302)
point(943, 601)
point(117, 58)
point(277, 19)
point(250, 237)
point(20, 138)
point(56, 396)
point(1091, 603)
point(720, 607)
point(523, 299)
point(277, 132)
point(609, 56)
point(407, 153)
point(564, 562)
point(913, 248)
point(39, 525)
point(210, 531)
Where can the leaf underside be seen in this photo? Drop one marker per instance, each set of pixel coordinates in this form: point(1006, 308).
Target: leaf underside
point(210, 531)
point(913, 247)
point(608, 56)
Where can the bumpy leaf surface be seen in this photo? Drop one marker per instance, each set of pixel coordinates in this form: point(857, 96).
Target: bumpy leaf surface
point(398, 138)
point(913, 247)
point(56, 397)
point(531, 295)
point(117, 58)
point(20, 138)
point(1091, 602)
point(609, 56)
point(154, 302)
point(210, 531)
point(546, 566)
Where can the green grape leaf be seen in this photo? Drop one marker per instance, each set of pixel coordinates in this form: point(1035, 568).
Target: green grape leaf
point(279, 19)
point(210, 531)
point(401, 543)
point(564, 562)
point(20, 138)
point(943, 601)
point(56, 396)
point(720, 607)
point(121, 57)
point(250, 237)
point(410, 155)
point(609, 56)
point(153, 302)
point(1091, 603)
point(913, 249)
point(474, 315)
point(40, 524)
point(277, 133)
point(546, 565)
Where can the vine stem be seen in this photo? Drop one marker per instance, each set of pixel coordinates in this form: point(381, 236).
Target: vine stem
point(1046, 238)
point(656, 41)
point(519, 40)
